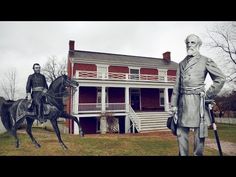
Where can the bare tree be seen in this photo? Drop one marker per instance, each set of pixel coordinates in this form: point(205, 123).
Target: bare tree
point(53, 68)
point(223, 37)
point(8, 84)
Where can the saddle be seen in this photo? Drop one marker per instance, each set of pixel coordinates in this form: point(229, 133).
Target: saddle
point(23, 109)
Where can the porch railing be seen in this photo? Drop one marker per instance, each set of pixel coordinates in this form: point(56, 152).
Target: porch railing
point(123, 76)
point(97, 107)
point(134, 119)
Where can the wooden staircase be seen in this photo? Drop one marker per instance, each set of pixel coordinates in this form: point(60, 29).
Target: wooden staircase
point(152, 121)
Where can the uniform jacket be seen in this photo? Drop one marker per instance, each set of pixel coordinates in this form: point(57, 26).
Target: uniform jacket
point(192, 73)
point(36, 80)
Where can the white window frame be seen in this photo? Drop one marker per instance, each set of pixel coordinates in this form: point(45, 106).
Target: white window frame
point(135, 68)
point(106, 97)
point(160, 96)
point(163, 73)
point(104, 74)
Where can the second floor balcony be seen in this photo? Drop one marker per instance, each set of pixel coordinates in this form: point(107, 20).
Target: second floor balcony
point(123, 76)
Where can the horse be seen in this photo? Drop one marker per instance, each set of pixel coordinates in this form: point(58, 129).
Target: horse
point(13, 113)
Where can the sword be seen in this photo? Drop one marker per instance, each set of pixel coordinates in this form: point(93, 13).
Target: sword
point(210, 106)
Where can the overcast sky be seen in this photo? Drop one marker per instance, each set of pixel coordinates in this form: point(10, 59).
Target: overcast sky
point(24, 43)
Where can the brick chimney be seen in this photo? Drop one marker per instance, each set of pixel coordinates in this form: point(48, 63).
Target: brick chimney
point(166, 56)
point(71, 45)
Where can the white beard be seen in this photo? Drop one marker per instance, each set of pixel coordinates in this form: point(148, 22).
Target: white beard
point(192, 52)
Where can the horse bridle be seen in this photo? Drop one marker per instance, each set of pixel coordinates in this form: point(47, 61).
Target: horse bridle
point(70, 83)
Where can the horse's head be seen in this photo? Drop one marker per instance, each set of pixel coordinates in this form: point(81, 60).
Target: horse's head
point(61, 84)
point(69, 82)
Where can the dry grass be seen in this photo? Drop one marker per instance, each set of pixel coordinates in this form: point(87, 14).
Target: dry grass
point(148, 144)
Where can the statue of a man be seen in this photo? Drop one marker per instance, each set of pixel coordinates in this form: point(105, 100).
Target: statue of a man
point(189, 94)
point(37, 83)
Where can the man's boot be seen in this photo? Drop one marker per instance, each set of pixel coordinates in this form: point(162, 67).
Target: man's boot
point(38, 112)
point(42, 113)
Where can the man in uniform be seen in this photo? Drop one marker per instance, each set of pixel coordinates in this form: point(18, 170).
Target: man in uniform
point(37, 83)
point(189, 95)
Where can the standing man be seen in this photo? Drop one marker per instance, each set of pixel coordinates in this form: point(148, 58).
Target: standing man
point(189, 95)
point(37, 83)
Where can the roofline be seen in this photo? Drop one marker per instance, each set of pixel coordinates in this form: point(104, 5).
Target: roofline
point(121, 55)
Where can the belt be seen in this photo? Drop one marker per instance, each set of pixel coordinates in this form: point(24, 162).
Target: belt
point(35, 89)
point(192, 90)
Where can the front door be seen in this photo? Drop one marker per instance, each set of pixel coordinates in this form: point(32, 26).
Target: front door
point(135, 99)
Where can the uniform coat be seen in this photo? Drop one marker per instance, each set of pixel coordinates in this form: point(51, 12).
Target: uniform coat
point(192, 72)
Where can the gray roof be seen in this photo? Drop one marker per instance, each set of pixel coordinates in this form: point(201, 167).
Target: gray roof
point(89, 57)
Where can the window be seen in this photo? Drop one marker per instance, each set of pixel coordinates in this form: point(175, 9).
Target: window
point(161, 96)
point(134, 73)
point(102, 71)
point(162, 74)
point(99, 95)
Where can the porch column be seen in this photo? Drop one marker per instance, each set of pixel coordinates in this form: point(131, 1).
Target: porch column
point(127, 99)
point(166, 98)
point(103, 121)
point(103, 99)
point(76, 101)
point(76, 108)
point(127, 120)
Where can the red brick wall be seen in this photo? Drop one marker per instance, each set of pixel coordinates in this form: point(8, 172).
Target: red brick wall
point(148, 71)
point(84, 67)
point(149, 99)
point(118, 69)
point(171, 72)
point(87, 94)
point(116, 95)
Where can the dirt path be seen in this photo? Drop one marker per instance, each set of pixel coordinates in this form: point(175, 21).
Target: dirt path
point(228, 148)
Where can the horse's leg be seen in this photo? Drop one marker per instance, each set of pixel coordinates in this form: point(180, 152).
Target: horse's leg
point(68, 116)
point(14, 132)
point(29, 131)
point(56, 129)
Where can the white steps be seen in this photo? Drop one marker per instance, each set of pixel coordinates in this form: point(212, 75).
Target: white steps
point(152, 121)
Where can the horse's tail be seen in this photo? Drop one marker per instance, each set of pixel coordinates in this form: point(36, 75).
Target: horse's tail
point(5, 114)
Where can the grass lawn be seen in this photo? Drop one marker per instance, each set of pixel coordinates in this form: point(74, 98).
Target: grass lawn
point(226, 132)
point(148, 144)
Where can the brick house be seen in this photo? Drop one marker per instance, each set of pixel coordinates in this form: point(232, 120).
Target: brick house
point(133, 90)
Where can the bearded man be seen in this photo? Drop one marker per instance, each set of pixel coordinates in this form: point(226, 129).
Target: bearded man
point(189, 95)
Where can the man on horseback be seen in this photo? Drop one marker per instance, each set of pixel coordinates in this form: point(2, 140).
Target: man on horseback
point(37, 83)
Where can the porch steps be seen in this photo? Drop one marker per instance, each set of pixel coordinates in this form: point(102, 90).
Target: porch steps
point(152, 121)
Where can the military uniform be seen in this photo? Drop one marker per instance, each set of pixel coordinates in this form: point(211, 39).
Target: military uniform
point(191, 74)
point(37, 83)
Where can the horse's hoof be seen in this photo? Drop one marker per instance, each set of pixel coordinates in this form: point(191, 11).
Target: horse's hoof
point(81, 134)
point(37, 145)
point(64, 147)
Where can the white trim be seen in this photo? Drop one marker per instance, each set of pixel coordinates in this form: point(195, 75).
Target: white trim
point(86, 83)
point(131, 67)
point(102, 65)
point(97, 114)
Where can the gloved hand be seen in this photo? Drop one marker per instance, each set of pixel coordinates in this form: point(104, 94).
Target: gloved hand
point(44, 92)
point(173, 109)
point(28, 96)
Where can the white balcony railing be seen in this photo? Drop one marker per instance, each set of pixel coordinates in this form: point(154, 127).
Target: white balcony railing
point(123, 76)
point(97, 107)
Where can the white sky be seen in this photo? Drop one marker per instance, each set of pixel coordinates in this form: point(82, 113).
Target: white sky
point(24, 43)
